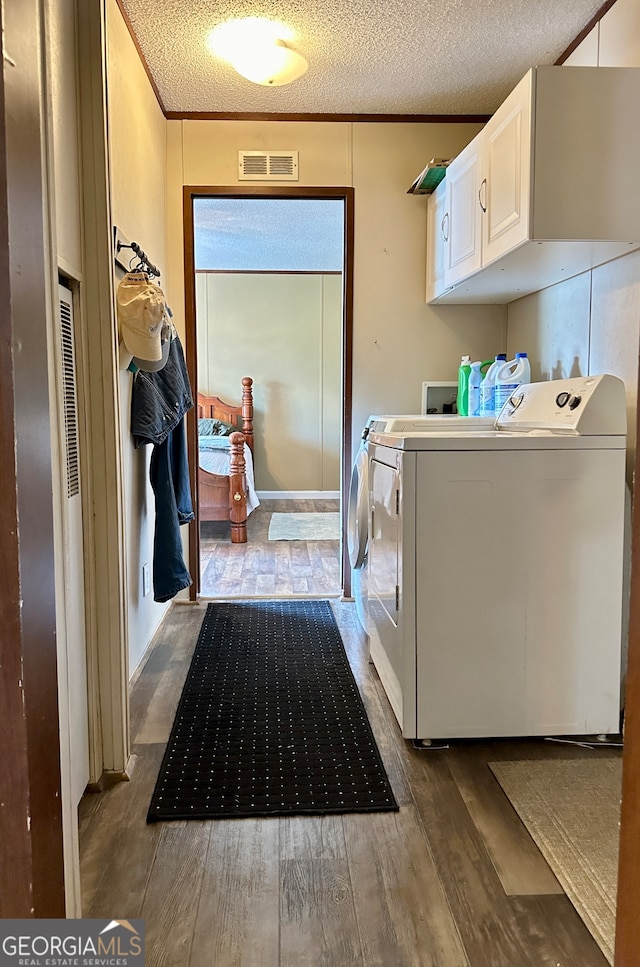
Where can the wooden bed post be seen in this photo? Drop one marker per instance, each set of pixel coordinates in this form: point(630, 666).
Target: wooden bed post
point(238, 490)
point(247, 410)
point(224, 496)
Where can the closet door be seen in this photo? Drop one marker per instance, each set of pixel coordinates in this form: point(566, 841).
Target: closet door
point(75, 681)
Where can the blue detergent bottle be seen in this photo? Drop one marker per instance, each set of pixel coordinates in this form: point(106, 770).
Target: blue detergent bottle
point(488, 386)
point(476, 378)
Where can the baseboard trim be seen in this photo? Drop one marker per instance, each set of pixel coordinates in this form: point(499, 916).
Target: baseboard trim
point(109, 778)
point(298, 494)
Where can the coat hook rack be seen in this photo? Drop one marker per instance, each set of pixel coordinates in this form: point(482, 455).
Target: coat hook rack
point(142, 256)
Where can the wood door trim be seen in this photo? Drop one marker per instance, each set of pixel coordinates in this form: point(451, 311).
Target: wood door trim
point(31, 843)
point(627, 942)
point(190, 192)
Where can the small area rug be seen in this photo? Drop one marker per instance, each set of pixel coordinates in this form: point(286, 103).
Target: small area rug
point(270, 721)
point(571, 808)
point(304, 527)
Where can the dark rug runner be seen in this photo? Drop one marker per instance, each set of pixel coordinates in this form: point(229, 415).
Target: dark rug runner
point(270, 722)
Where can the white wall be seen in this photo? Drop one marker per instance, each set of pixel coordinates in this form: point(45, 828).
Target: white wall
point(590, 324)
point(399, 341)
point(137, 141)
point(283, 330)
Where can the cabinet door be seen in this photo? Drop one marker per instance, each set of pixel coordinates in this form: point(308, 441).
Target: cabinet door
point(463, 250)
point(506, 190)
point(437, 229)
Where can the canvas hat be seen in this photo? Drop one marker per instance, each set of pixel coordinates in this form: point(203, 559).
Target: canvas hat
point(140, 305)
point(154, 366)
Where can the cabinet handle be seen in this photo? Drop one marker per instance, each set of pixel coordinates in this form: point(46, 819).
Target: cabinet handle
point(445, 235)
point(483, 183)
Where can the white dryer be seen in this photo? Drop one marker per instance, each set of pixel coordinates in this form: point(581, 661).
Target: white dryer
point(358, 508)
point(495, 567)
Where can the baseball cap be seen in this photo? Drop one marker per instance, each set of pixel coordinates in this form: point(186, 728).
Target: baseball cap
point(141, 306)
point(154, 366)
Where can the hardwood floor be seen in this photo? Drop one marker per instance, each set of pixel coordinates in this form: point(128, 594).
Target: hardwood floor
point(451, 880)
point(269, 568)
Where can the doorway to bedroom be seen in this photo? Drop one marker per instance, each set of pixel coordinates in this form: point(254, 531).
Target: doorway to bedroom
point(271, 300)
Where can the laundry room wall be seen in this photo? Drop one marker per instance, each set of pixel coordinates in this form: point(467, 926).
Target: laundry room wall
point(137, 143)
point(399, 341)
point(590, 324)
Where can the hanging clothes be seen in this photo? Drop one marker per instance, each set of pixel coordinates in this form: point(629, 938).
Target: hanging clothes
point(159, 402)
point(169, 474)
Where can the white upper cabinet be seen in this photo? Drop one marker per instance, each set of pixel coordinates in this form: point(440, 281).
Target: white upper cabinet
point(463, 254)
point(547, 190)
point(506, 184)
point(488, 187)
point(437, 230)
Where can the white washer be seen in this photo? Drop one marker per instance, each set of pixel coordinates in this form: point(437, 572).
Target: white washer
point(358, 506)
point(495, 564)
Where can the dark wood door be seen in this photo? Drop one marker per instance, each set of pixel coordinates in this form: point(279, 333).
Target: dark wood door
point(31, 856)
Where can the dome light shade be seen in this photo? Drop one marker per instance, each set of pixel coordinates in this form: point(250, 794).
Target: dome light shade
point(271, 64)
point(259, 50)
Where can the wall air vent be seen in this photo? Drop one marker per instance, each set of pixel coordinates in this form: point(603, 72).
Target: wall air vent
point(267, 165)
point(69, 392)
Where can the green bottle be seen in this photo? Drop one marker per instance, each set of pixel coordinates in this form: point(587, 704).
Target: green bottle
point(464, 372)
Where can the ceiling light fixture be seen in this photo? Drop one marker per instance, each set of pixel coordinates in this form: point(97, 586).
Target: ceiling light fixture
point(271, 64)
point(259, 50)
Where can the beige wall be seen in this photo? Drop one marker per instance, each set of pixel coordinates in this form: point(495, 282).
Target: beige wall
point(284, 332)
point(590, 324)
point(62, 67)
point(399, 341)
point(137, 141)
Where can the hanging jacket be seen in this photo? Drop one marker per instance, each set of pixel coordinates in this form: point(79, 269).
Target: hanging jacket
point(160, 400)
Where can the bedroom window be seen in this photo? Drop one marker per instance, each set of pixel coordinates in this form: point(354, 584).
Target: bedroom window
point(269, 235)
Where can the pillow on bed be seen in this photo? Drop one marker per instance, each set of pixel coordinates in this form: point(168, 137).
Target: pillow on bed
point(207, 426)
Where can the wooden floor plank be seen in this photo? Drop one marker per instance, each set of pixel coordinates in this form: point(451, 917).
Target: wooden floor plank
point(237, 923)
point(170, 904)
point(558, 937)
point(403, 915)
point(153, 710)
point(318, 925)
point(117, 847)
point(520, 865)
point(312, 837)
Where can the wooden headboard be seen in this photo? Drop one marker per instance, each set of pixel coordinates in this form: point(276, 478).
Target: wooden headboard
point(241, 416)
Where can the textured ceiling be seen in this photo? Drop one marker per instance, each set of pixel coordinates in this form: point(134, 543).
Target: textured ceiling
point(365, 56)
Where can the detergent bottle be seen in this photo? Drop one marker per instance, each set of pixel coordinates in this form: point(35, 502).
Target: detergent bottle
point(511, 375)
point(476, 377)
point(488, 386)
point(464, 371)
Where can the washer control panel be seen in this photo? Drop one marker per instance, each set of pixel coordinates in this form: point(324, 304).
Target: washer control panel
point(585, 405)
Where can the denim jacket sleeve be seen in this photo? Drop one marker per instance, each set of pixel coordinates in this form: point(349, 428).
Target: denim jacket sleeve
point(160, 400)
